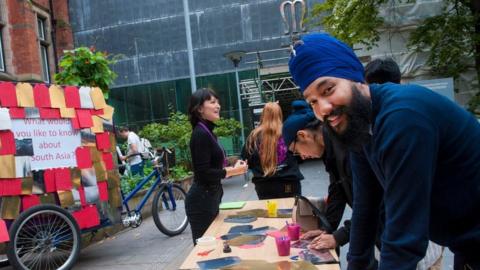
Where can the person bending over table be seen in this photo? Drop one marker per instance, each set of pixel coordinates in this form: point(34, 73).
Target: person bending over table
point(209, 163)
point(275, 169)
point(412, 148)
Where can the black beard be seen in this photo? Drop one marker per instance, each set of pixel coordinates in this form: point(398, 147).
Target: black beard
point(358, 118)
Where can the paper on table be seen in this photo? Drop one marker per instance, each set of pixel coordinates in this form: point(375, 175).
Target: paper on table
point(232, 205)
point(25, 95)
point(5, 119)
point(57, 96)
point(97, 98)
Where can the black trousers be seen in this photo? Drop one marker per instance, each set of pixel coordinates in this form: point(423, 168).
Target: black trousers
point(201, 205)
point(273, 189)
point(461, 262)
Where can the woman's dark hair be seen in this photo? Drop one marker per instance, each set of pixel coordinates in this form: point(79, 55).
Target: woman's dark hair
point(196, 101)
point(313, 125)
point(382, 71)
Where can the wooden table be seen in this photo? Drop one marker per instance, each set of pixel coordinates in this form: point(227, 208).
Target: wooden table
point(266, 252)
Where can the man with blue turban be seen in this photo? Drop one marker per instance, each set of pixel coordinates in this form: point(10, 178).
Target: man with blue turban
point(411, 147)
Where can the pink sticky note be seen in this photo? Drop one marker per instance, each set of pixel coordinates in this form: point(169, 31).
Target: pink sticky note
point(75, 123)
point(3, 232)
point(108, 160)
point(10, 187)
point(81, 193)
point(8, 94)
point(84, 161)
point(103, 191)
point(7, 146)
point(49, 180)
point(29, 201)
point(84, 118)
point(103, 141)
point(41, 96)
point(63, 179)
point(16, 113)
point(49, 113)
point(72, 97)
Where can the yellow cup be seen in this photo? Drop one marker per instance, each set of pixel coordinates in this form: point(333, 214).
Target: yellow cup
point(272, 208)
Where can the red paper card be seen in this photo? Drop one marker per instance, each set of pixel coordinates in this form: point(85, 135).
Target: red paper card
point(3, 232)
point(72, 97)
point(83, 199)
point(84, 118)
point(17, 113)
point(97, 112)
point(103, 191)
point(87, 217)
point(41, 96)
point(8, 94)
point(75, 123)
point(29, 201)
point(108, 160)
point(8, 143)
point(84, 161)
point(63, 179)
point(49, 113)
point(103, 141)
point(49, 180)
point(10, 187)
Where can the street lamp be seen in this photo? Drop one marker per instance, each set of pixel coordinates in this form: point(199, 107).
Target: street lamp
point(236, 57)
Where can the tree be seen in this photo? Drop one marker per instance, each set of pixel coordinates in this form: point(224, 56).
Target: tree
point(451, 37)
point(86, 67)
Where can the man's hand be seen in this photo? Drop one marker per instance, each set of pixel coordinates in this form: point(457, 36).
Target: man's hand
point(123, 158)
point(311, 234)
point(323, 241)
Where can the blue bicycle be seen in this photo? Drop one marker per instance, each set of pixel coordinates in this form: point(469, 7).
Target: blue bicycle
point(168, 205)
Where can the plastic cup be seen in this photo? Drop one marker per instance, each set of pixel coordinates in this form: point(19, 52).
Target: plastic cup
point(283, 245)
point(293, 231)
point(272, 208)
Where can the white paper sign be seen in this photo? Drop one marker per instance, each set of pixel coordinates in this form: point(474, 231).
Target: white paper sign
point(54, 141)
point(5, 121)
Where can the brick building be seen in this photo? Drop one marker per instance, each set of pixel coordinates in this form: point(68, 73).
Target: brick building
point(33, 35)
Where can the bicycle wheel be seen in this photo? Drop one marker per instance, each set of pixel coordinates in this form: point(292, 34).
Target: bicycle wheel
point(44, 237)
point(168, 209)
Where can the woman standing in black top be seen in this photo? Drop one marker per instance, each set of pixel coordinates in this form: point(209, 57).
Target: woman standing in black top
point(209, 163)
point(275, 169)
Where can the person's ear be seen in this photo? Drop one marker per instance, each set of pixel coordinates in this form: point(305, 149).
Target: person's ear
point(302, 135)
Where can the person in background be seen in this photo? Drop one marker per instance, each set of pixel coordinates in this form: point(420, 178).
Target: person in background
point(275, 169)
point(133, 156)
point(209, 163)
point(380, 71)
point(411, 148)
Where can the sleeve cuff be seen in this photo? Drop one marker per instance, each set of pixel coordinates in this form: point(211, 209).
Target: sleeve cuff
point(341, 236)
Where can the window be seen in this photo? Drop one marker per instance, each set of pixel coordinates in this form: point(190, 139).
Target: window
point(42, 37)
point(2, 61)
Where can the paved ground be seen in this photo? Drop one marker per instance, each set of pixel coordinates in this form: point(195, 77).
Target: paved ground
point(147, 248)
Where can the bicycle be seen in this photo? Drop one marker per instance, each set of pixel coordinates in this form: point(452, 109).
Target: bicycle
point(168, 205)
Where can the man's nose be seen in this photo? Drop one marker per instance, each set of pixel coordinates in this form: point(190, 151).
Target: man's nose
point(323, 109)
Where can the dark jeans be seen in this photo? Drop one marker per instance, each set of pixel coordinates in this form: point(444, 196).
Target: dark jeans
point(137, 169)
point(461, 262)
point(201, 205)
point(273, 189)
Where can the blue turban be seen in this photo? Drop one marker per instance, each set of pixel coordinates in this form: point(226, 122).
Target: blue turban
point(318, 55)
point(298, 120)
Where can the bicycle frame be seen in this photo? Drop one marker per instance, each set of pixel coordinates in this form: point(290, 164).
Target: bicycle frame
point(139, 187)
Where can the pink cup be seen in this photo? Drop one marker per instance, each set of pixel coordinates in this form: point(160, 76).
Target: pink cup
point(283, 245)
point(293, 231)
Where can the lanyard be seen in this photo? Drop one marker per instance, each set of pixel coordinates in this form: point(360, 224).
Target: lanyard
point(204, 127)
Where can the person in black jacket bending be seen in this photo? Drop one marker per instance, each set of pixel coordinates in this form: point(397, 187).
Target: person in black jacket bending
point(275, 169)
point(209, 163)
point(306, 137)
